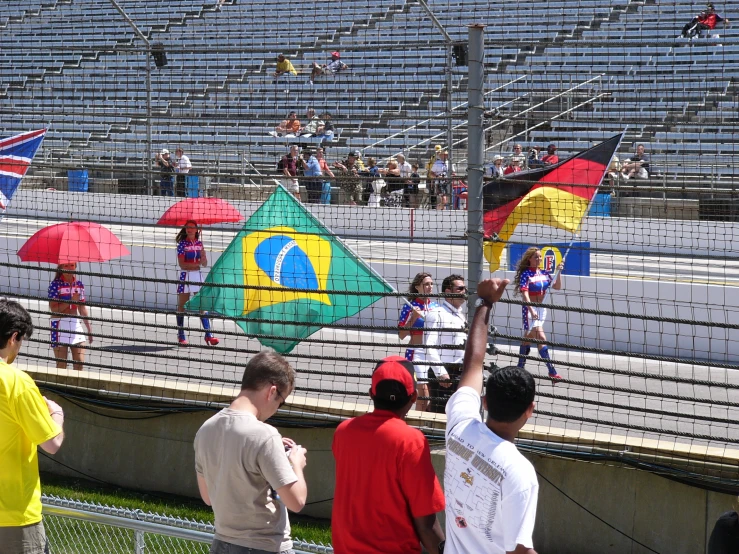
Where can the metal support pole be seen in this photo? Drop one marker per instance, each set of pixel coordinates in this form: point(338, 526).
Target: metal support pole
point(476, 159)
point(449, 82)
point(139, 542)
point(149, 145)
point(150, 152)
point(450, 119)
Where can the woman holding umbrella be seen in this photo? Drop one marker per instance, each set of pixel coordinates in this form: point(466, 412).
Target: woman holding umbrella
point(65, 293)
point(191, 257)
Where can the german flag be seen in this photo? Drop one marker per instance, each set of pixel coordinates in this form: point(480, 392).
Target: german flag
point(556, 195)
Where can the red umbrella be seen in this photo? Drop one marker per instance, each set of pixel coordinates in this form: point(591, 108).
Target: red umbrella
point(65, 243)
point(204, 211)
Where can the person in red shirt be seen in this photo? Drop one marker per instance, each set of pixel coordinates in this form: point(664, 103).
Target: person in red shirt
point(514, 166)
point(387, 494)
point(706, 20)
point(551, 156)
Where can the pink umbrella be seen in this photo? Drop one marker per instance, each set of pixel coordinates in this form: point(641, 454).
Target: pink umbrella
point(203, 211)
point(64, 243)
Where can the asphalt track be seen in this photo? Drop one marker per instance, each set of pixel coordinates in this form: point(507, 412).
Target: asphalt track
point(638, 400)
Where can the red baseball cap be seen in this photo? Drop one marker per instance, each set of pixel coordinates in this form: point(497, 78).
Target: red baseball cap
point(394, 368)
point(336, 54)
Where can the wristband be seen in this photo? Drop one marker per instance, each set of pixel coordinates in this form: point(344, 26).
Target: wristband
point(57, 412)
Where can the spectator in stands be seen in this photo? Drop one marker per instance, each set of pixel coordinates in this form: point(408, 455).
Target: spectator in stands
point(704, 21)
point(245, 470)
point(331, 68)
point(550, 157)
point(374, 184)
point(517, 156)
point(288, 166)
point(614, 172)
point(289, 127)
point(182, 168)
point(441, 175)
point(314, 126)
point(66, 301)
point(284, 67)
point(445, 365)
point(27, 420)
point(326, 172)
point(392, 176)
point(385, 503)
point(183, 162)
point(404, 167)
point(509, 479)
point(514, 166)
point(166, 173)
point(413, 189)
point(312, 172)
point(432, 159)
point(637, 166)
point(360, 162)
point(405, 170)
point(350, 179)
point(327, 134)
point(497, 170)
point(534, 161)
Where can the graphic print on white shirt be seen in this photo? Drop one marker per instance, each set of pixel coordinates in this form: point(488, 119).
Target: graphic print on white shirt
point(491, 489)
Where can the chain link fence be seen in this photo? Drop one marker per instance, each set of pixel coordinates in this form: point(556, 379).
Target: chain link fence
point(74, 527)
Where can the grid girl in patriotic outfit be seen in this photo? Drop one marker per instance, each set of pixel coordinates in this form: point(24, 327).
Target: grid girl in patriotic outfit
point(190, 257)
point(532, 286)
point(411, 323)
point(66, 328)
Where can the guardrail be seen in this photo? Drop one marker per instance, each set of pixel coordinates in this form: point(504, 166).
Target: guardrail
point(73, 526)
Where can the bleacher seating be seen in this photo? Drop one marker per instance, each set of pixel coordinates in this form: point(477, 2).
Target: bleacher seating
point(80, 69)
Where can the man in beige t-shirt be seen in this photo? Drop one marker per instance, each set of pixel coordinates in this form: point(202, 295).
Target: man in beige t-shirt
point(246, 471)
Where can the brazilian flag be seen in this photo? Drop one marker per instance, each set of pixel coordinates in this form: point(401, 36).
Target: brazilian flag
point(292, 276)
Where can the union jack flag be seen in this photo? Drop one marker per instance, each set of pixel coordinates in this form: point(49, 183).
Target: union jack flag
point(16, 154)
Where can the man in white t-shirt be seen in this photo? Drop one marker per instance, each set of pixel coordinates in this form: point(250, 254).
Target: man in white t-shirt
point(182, 168)
point(441, 175)
point(490, 488)
point(183, 162)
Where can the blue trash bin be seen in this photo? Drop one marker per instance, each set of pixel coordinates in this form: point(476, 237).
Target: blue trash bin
point(77, 180)
point(192, 186)
point(601, 205)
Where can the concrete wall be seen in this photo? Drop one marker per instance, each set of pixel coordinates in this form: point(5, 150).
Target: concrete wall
point(157, 455)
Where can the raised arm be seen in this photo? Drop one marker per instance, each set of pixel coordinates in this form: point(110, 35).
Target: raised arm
point(557, 285)
point(490, 291)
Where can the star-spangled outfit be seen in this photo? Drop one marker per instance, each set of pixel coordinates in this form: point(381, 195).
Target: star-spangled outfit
point(416, 354)
point(66, 331)
point(189, 279)
point(191, 251)
point(536, 282)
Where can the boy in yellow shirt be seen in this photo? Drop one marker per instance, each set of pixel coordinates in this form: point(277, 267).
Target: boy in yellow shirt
point(27, 420)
